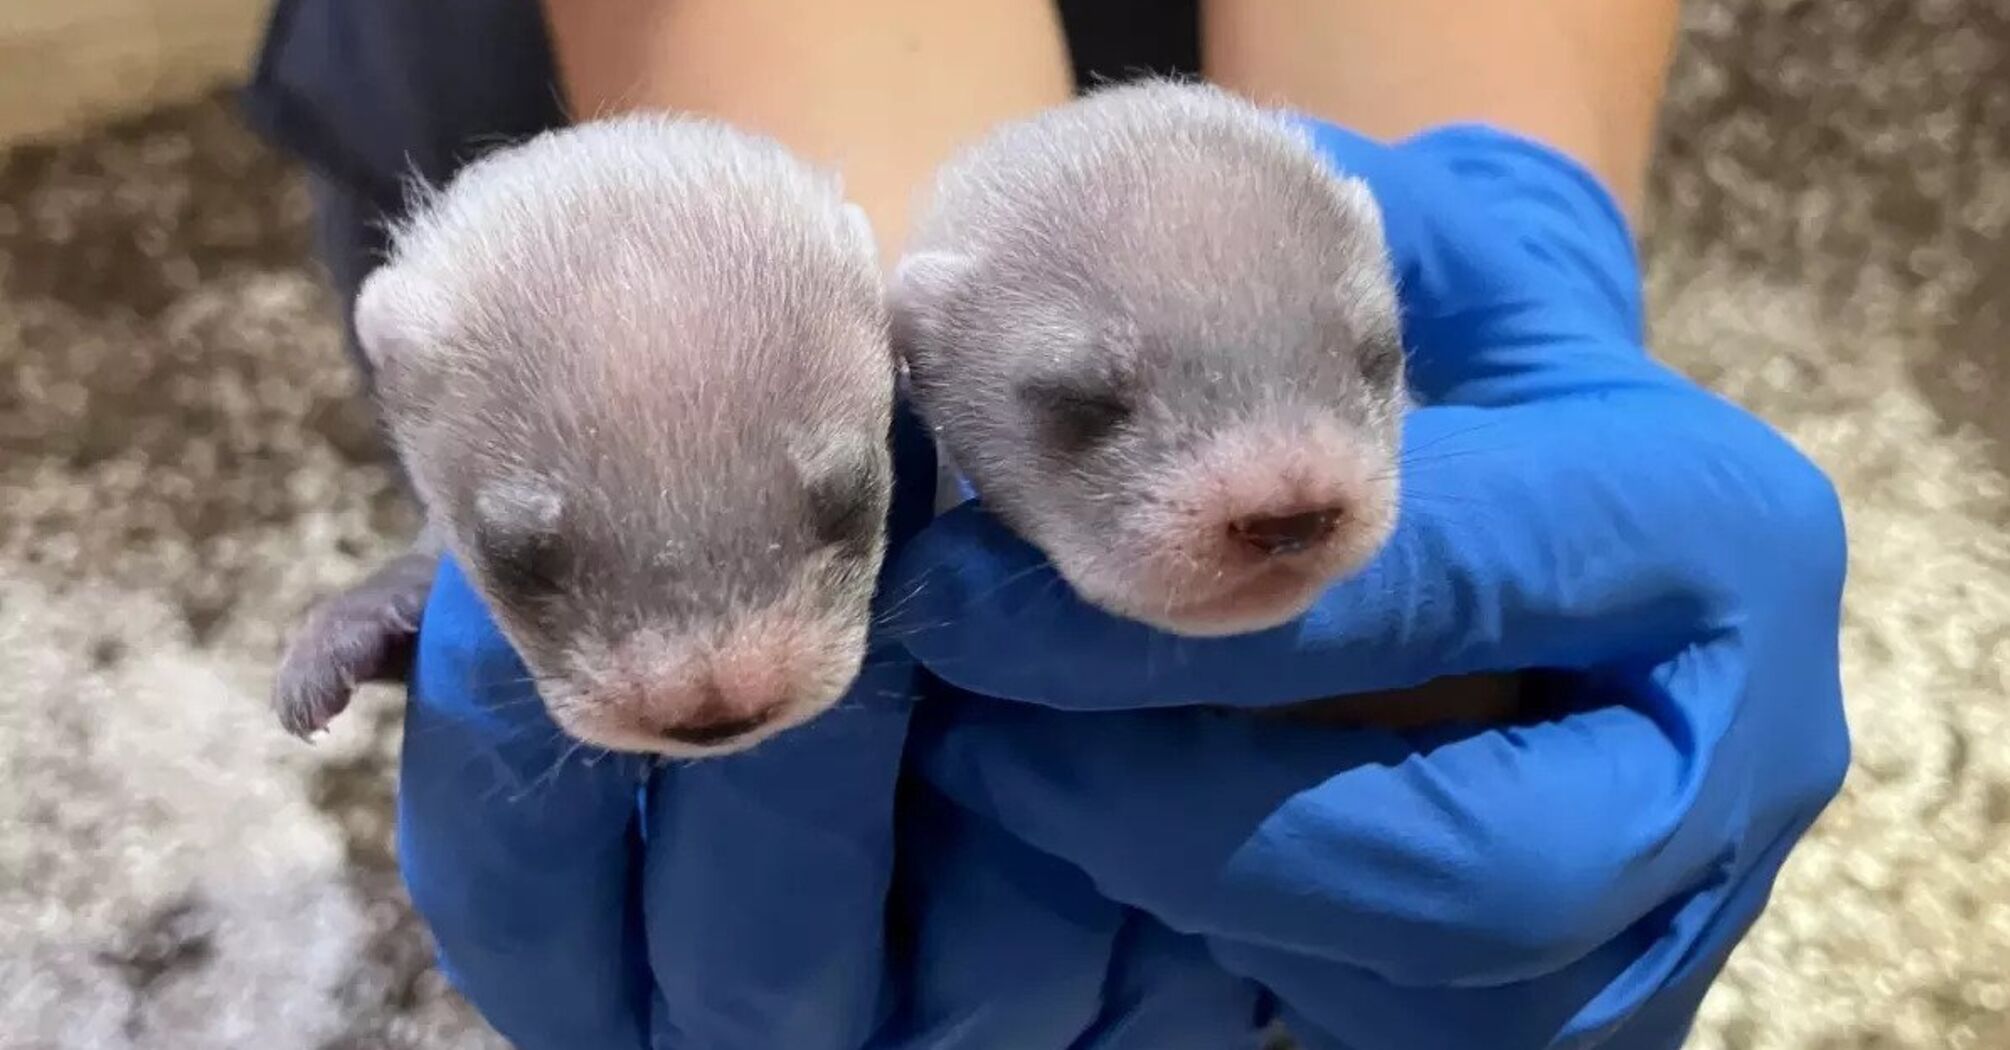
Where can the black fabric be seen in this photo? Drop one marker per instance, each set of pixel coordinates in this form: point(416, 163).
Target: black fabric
point(369, 92)
point(350, 239)
point(1115, 40)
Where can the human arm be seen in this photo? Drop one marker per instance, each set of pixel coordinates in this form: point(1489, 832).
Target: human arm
point(881, 90)
point(1583, 76)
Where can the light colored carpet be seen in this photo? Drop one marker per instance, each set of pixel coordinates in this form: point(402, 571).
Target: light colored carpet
point(183, 464)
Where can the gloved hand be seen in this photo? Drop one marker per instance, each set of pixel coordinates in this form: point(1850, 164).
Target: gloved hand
point(1569, 504)
point(607, 903)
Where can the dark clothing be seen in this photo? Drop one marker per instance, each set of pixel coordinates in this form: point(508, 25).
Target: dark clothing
point(368, 93)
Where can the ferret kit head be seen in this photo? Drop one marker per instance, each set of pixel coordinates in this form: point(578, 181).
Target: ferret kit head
point(1160, 336)
point(638, 370)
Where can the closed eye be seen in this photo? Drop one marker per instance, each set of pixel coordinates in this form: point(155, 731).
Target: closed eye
point(529, 563)
point(1382, 360)
point(845, 509)
point(1074, 415)
point(519, 535)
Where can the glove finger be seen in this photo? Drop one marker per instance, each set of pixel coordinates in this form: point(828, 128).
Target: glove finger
point(517, 851)
point(1166, 991)
point(977, 903)
point(1333, 1005)
point(768, 872)
point(1448, 858)
point(767, 877)
point(1639, 989)
point(1526, 539)
point(1084, 971)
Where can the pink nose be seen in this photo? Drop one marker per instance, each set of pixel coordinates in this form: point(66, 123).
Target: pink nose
point(1286, 534)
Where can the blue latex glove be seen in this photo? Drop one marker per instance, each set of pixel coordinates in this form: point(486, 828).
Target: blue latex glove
point(1569, 504)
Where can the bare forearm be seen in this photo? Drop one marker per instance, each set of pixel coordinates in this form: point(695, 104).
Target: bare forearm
point(1585, 76)
point(882, 90)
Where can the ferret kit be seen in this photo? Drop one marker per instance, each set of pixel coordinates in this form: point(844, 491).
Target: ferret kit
point(637, 371)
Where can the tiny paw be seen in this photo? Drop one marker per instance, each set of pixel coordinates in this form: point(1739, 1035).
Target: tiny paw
point(363, 634)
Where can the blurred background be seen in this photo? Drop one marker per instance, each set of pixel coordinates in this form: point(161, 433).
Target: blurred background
point(185, 463)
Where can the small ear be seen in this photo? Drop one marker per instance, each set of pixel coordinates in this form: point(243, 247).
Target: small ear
point(516, 508)
point(861, 228)
point(923, 285)
point(389, 321)
point(931, 277)
point(816, 455)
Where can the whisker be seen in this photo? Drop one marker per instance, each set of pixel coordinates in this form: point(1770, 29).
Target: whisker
point(497, 683)
point(511, 736)
point(1443, 498)
point(1012, 579)
point(550, 777)
point(1411, 464)
point(899, 604)
point(514, 703)
point(497, 788)
point(1440, 439)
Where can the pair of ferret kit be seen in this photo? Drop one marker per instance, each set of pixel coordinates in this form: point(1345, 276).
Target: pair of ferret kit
point(640, 373)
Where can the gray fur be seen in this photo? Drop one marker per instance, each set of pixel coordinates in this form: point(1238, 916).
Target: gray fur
point(631, 366)
point(1177, 248)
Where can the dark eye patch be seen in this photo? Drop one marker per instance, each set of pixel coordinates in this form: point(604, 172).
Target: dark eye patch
point(529, 563)
point(1382, 360)
point(1076, 412)
point(844, 507)
point(519, 537)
